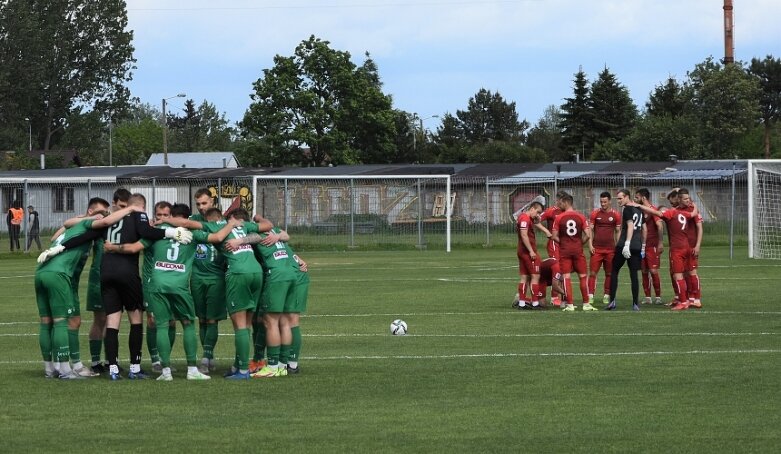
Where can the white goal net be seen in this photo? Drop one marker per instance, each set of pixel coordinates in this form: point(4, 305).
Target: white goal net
point(764, 209)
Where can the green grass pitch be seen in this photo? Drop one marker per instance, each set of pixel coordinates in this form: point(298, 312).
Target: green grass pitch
point(473, 375)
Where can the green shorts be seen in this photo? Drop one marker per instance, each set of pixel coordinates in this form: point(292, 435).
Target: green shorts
point(209, 296)
point(241, 291)
point(302, 293)
point(164, 307)
point(76, 303)
point(94, 297)
point(54, 295)
point(278, 296)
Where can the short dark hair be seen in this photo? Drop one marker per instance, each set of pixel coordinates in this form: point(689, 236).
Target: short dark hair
point(624, 191)
point(561, 193)
point(566, 198)
point(239, 213)
point(606, 195)
point(97, 200)
point(212, 212)
point(180, 210)
point(121, 195)
point(644, 192)
point(138, 196)
point(673, 193)
point(202, 192)
point(163, 204)
point(683, 191)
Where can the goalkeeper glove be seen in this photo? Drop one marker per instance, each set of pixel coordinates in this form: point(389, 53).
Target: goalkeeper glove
point(179, 234)
point(49, 253)
point(625, 252)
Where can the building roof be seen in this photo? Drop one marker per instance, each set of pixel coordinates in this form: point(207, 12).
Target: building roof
point(69, 175)
point(198, 160)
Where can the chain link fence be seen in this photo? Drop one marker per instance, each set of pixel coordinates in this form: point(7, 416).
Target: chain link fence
point(387, 212)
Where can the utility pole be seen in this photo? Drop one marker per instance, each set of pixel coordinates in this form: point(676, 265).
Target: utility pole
point(729, 43)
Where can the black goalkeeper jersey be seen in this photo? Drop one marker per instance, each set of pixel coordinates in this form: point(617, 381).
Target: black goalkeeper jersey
point(130, 229)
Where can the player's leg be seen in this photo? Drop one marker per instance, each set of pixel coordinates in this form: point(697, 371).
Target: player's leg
point(565, 264)
point(594, 263)
point(579, 265)
point(645, 273)
point(302, 295)
point(60, 306)
point(112, 304)
point(635, 263)
point(133, 301)
point(241, 296)
point(158, 310)
point(45, 327)
point(151, 337)
point(273, 299)
point(534, 283)
point(258, 337)
point(97, 328)
point(553, 252)
point(678, 262)
point(607, 264)
point(618, 262)
point(184, 310)
point(693, 282)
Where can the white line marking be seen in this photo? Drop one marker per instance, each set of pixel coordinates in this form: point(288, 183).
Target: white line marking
point(527, 335)
point(494, 355)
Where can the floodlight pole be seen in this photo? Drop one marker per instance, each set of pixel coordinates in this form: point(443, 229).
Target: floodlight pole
point(165, 128)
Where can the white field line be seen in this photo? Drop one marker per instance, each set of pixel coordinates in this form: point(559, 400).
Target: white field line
point(479, 335)
point(496, 355)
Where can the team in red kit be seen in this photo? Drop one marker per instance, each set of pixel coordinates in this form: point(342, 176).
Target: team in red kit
point(568, 230)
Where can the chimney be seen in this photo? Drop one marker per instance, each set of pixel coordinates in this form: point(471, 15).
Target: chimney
point(729, 44)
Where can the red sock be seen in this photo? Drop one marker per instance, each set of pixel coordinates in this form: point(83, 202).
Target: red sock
point(535, 292)
point(568, 286)
point(657, 284)
point(584, 289)
point(680, 286)
point(522, 291)
point(693, 282)
point(592, 284)
point(647, 283)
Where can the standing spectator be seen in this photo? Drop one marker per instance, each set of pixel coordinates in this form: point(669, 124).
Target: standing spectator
point(14, 221)
point(35, 228)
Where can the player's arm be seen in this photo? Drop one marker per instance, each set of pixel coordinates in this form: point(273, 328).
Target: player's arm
point(84, 238)
point(696, 250)
point(660, 232)
point(647, 209)
point(585, 235)
point(220, 235)
point(148, 232)
point(57, 234)
point(301, 263)
point(527, 243)
point(75, 220)
point(539, 226)
point(114, 217)
point(130, 248)
point(264, 225)
point(184, 223)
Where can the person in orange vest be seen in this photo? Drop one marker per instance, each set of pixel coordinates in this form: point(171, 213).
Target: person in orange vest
point(14, 220)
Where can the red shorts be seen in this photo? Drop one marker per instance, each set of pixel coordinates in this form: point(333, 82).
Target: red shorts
point(651, 260)
point(694, 262)
point(553, 249)
point(572, 262)
point(527, 266)
point(679, 260)
point(601, 258)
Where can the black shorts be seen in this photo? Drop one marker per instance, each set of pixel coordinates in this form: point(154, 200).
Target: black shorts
point(122, 294)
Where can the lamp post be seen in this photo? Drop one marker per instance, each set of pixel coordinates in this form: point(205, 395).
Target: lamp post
point(30, 131)
point(165, 128)
point(110, 144)
point(414, 132)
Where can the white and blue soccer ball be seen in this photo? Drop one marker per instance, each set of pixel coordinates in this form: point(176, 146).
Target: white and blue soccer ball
point(398, 328)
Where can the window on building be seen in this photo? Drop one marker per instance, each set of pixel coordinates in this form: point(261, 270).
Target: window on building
point(62, 199)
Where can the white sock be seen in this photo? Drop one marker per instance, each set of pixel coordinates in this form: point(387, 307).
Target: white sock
point(292, 364)
point(535, 303)
point(48, 366)
point(78, 366)
point(114, 369)
point(192, 369)
point(135, 368)
point(63, 368)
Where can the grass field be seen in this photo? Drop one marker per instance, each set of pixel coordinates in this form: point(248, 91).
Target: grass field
point(472, 375)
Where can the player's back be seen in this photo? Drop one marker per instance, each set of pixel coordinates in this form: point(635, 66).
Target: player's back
point(123, 232)
point(277, 260)
point(677, 224)
point(570, 225)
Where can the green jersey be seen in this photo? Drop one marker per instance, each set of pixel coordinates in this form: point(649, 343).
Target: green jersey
point(68, 260)
point(149, 260)
point(172, 263)
point(277, 260)
point(209, 263)
point(242, 260)
point(97, 258)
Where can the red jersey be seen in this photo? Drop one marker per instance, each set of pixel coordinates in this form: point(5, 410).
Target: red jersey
point(549, 216)
point(525, 223)
point(604, 224)
point(677, 226)
point(652, 230)
point(570, 224)
point(691, 229)
point(549, 270)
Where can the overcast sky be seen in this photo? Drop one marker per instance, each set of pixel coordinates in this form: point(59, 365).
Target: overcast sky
point(433, 55)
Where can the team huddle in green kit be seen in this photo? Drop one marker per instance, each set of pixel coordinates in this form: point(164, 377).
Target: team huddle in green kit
point(203, 266)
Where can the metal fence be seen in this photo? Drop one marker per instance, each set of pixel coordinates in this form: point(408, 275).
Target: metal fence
point(390, 212)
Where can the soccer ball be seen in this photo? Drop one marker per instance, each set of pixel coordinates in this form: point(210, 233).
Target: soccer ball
point(398, 328)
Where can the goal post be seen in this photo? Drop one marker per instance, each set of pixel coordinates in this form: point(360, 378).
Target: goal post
point(359, 210)
point(764, 209)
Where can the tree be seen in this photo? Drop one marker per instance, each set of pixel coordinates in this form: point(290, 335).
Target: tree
point(489, 117)
point(613, 114)
point(318, 107)
point(137, 134)
point(576, 119)
point(184, 131)
point(59, 56)
point(768, 71)
point(547, 135)
point(667, 100)
point(725, 101)
point(199, 129)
